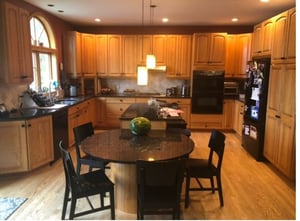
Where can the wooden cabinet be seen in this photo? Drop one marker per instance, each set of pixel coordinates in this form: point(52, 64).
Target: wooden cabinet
point(25, 144)
point(262, 38)
point(238, 53)
point(279, 145)
point(15, 43)
point(181, 66)
point(228, 114)
point(284, 37)
point(101, 55)
point(88, 60)
point(238, 119)
point(185, 106)
point(209, 49)
point(145, 44)
point(206, 121)
point(39, 141)
point(114, 55)
point(115, 107)
point(100, 112)
point(77, 115)
point(129, 55)
point(72, 53)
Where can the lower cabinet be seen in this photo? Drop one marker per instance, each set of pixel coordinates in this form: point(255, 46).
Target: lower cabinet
point(29, 146)
point(185, 106)
point(238, 119)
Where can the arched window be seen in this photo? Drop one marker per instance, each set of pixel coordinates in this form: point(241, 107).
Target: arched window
point(43, 55)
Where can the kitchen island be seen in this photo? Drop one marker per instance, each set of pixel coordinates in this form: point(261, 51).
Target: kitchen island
point(159, 115)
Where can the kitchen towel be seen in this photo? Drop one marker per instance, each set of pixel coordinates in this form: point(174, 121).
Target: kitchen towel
point(8, 205)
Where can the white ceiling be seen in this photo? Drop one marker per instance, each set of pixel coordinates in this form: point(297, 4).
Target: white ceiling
point(179, 12)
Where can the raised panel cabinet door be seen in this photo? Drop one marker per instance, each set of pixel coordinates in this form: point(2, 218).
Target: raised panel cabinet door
point(100, 111)
point(101, 55)
point(114, 55)
point(130, 55)
point(267, 39)
point(257, 43)
point(171, 50)
point(88, 42)
point(231, 52)
point(159, 48)
point(16, 51)
point(291, 41)
point(40, 141)
point(217, 53)
point(274, 91)
point(184, 56)
point(201, 48)
point(280, 36)
point(13, 147)
point(145, 44)
point(271, 137)
point(243, 54)
point(288, 91)
point(72, 53)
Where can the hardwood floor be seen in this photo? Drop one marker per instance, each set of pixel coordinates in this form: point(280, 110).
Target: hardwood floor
point(252, 190)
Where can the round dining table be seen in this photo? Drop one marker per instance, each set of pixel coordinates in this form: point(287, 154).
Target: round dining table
point(123, 149)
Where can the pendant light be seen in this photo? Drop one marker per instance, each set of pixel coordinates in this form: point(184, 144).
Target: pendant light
point(150, 58)
point(142, 71)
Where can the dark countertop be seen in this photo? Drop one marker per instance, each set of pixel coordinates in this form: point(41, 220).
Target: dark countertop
point(152, 113)
point(140, 94)
point(34, 112)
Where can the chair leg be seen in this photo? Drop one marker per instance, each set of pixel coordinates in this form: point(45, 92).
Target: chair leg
point(66, 198)
point(73, 206)
point(187, 189)
point(112, 204)
point(212, 183)
point(220, 190)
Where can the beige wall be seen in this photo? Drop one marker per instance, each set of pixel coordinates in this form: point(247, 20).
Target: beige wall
point(9, 95)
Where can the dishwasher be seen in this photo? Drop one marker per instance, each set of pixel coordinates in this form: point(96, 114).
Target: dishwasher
point(60, 130)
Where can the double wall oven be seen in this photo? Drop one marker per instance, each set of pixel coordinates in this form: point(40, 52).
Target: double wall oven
point(207, 92)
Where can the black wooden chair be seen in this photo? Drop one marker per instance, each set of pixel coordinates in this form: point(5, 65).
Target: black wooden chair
point(81, 132)
point(159, 187)
point(85, 185)
point(207, 168)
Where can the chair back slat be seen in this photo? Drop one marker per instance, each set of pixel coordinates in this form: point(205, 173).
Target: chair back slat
point(216, 145)
point(80, 133)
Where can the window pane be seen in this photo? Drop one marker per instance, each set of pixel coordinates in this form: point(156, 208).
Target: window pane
point(35, 84)
point(45, 70)
point(38, 33)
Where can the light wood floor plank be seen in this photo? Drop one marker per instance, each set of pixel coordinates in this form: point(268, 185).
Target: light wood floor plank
point(252, 190)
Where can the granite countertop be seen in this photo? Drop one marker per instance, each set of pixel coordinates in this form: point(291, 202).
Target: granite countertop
point(139, 94)
point(144, 110)
point(35, 111)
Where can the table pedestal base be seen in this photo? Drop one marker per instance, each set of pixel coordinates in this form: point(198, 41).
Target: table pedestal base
point(124, 178)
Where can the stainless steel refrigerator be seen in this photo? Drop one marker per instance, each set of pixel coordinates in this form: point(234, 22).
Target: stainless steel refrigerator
point(256, 94)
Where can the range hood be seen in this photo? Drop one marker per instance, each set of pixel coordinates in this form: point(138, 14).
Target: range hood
point(159, 68)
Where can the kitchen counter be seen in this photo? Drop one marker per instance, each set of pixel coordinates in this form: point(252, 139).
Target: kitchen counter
point(140, 94)
point(33, 112)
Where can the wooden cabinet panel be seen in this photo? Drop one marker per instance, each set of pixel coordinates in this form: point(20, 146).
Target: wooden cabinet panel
point(88, 62)
point(101, 55)
point(72, 53)
point(40, 141)
point(262, 38)
point(279, 146)
point(228, 114)
point(206, 121)
point(209, 49)
point(130, 55)
point(145, 44)
point(114, 55)
point(238, 119)
point(13, 147)
point(15, 53)
point(238, 53)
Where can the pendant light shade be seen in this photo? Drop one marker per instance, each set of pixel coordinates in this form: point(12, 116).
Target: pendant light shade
point(142, 75)
point(150, 61)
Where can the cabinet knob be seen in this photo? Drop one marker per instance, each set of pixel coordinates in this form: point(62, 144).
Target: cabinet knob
point(277, 116)
point(23, 77)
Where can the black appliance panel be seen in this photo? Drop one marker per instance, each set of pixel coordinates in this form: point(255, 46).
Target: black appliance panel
point(208, 91)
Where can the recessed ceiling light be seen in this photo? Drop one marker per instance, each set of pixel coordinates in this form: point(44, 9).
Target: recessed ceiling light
point(50, 5)
point(165, 20)
point(264, 1)
point(97, 20)
point(234, 19)
point(60, 11)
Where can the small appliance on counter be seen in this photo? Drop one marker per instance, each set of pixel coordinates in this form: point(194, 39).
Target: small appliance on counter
point(73, 91)
point(185, 90)
point(171, 92)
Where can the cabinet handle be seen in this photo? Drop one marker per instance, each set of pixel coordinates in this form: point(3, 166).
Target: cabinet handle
point(29, 125)
point(282, 58)
point(277, 116)
point(23, 125)
point(23, 77)
point(121, 100)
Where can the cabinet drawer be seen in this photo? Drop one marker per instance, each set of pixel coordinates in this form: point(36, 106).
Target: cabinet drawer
point(116, 109)
point(120, 100)
point(178, 100)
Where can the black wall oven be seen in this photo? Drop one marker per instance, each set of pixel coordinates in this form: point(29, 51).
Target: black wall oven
point(207, 92)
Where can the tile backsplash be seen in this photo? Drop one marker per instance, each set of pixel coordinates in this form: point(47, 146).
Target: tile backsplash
point(9, 95)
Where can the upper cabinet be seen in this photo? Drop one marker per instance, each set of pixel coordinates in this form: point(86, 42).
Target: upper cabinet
point(101, 55)
point(262, 38)
point(209, 49)
point(129, 55)
point(238, 53)
point(15, 43)
point(284, 39)
point(88, 50)
point(72, 53)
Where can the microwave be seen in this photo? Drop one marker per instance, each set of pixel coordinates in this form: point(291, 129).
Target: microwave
point(231, 88)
